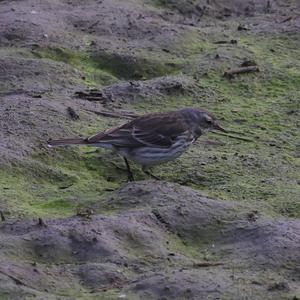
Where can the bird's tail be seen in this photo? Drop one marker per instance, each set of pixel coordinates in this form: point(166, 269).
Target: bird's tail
point(64, 142)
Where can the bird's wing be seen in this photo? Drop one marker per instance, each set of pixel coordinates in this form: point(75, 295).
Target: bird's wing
point(150, 130)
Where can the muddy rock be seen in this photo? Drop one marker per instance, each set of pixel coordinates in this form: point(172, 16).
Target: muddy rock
point(153, 90)
point(130, 251)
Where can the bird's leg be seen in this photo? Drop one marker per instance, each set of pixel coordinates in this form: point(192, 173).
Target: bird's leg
point(144, 169)
point(129, 172)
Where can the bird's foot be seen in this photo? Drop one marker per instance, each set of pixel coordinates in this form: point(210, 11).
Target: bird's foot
point(118, 167)
point(129, 173)
point(150, 174)
point(130, 177)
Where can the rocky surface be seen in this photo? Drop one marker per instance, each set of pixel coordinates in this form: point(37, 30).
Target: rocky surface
point(156, 246)
point(71, 228)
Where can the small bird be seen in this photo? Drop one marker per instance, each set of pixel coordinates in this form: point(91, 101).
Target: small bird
point(152, 138)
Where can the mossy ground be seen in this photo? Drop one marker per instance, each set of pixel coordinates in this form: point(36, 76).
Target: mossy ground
point(94, 76)
point(263, 107)
point(149, 238)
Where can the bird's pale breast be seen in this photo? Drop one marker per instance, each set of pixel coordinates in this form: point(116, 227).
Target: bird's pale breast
point(148, 156)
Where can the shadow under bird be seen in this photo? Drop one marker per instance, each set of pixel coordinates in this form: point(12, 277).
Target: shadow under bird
point(151, 138)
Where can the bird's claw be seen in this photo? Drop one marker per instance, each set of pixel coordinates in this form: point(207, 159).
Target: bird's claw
point(150, 174)
point(130, 177)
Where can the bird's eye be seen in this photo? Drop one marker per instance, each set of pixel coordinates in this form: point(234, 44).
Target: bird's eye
point(209, 120)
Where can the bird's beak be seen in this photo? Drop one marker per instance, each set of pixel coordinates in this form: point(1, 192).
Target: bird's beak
point(218, 127)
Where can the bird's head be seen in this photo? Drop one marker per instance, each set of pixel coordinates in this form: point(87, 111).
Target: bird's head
point(208, 122)
point(204, 119)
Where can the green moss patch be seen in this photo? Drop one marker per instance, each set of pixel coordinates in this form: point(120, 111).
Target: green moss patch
point(263, 107)
point(79, 60)
point(143, 65)
point(104, 68)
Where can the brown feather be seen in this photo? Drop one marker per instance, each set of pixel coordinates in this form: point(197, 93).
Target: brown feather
point(155, 130)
